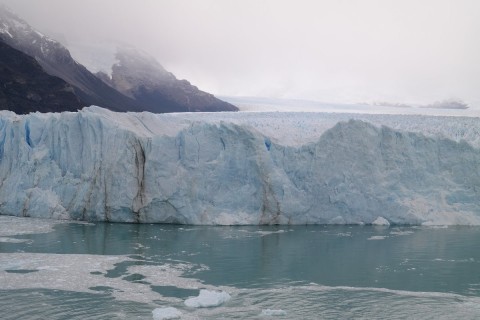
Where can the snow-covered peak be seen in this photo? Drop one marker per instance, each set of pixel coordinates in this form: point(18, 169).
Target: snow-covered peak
point(103, 56)
point(139, 67)
point(22, 36)
point(15, 26)
point(11, 20)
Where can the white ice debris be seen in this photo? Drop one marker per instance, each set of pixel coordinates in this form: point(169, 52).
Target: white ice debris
point(84, 273)
point(240, 168)
point(377, 238)
point(401, 232)
point(208, 298)
point(380, 221)
point(12, 240)
point(273, 313)
point(166, 313)
point(13, 226)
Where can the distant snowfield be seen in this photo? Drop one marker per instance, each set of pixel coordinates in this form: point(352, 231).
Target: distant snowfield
point(294, 128)
point(254, 104)
point(241, 168)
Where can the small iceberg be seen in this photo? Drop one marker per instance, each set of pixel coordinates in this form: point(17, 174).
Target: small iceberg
point(377, 238)
point(166, 313)
point(273, 313)
point(208, 298)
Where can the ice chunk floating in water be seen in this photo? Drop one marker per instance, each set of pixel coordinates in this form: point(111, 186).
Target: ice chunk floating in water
point(208, 298)
point(166, 313)
point(240, 168)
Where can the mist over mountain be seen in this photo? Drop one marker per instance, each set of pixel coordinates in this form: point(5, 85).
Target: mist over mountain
point(143, 79)
point(129, 90)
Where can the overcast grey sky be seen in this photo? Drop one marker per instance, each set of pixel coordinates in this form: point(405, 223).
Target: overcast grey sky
point(405, 51)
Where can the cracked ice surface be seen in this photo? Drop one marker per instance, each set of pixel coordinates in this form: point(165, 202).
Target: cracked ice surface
point(240, 168)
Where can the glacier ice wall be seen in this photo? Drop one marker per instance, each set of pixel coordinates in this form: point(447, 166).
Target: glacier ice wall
point(103, 166)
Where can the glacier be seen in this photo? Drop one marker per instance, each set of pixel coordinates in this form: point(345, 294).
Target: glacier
point(240, 168)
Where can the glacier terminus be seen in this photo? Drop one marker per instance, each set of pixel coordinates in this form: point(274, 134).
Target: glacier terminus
point(240, 168)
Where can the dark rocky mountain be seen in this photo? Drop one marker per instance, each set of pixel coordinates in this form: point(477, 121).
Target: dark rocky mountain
point(142, 78)
point(25, 87)
point(150, 89)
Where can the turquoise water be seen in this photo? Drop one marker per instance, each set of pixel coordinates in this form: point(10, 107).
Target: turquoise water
point(125, 271)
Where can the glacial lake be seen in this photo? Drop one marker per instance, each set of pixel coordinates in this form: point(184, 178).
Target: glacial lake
point(61, 270)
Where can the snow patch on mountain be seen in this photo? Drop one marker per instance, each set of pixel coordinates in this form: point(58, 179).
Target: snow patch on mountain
point(20, 32)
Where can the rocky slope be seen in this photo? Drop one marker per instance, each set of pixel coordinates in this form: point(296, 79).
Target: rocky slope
point(26, 87)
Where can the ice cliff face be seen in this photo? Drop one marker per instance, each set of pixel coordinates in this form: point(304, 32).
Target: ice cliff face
point(99, 165)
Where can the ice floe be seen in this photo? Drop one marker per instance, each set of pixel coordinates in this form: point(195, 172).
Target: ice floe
point(208, 298)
